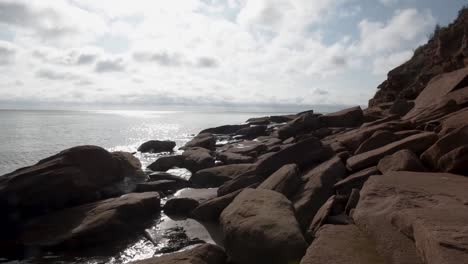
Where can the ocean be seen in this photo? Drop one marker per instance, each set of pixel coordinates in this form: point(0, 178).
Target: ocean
point(26, 136)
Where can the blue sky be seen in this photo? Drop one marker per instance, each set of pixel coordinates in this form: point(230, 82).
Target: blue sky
point(241, 53)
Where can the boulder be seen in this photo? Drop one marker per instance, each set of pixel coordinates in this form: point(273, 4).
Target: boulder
point(203, 254)
point(258, 121)
point(217, 176)
point(180, 206)
point(202, 140)
point(341, 244)
point(211, 210)
point(92, 224)
point(352, 201)
point(453, 121)
point(158, 176)
point(380, 121)
point(252, 131)
point(166, 163)
point(444, 145)
point(403, 160)
point(351, 117)
point(456, 161)
point(416, 217)
point(401, 107)
point(320, 218)
point(417, 143)
point(246, 148)
point(195, 159)
point(224, 130)
point(240, 182)
point(160, 186)
point(355, 181)
point(234, 158)
point(156, 146)
point(317, 189)
point(304, 123)
point(71, 177)
point(378, 139)
point(128, 165)
point(286, 180)
point(259, 227)
point(304, 153)
point(282, 118)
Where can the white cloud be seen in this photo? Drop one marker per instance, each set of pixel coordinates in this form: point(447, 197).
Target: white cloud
point(7, 52)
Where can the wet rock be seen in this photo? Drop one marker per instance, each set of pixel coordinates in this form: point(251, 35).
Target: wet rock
point(156, 146)
point(259, 227)
point(317, 188)
point(456, 161)
point(423, 220)
point(351, 117)
point(252, 131)
point(158, 176)
point(303, 123)
point(195, 159)
point(356, 180)
point(211, 210)
point(202, 140)
point(71, 177)
point(303, 153)
point(286, 180)
point(234, 158)
point(160, 186)
point(180, 206)
point(224, 130)
point(378, 139)
point(166, 163)
point(203, 254)
point(341, 244)
point(403, 160)
point(320, 218)
point(93, 223)
point(416, 143)
point(216, 176)
point(444, 145)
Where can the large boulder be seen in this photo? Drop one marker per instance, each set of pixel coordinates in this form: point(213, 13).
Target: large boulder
point(128, 164)
point(259, 227)
point(202, 140)
point(417, 143)
point(203, 254)
point(317, 188)
point(403, 160)
point(355, 180)
point(304, 153)
point(156, 146)
point(453, 121)
point(91, 224)
point(216, 176)
point(341, 244)
point(160, 186)
point(416, 217)
point(224, 130)
point(378, 139)
point(456, 161)
point(444, 145)
point(246, 148)
point(240, 182)
point(195, 159)
point(252, 131)
point(351, 117)
point(71, 177)
point(210, 210)
point(166, 163)
point(234, 158)
point(305, 122)
point(286, 180)
point(180, 206)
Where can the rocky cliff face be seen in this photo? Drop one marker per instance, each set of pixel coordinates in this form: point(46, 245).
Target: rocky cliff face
point(446, 51)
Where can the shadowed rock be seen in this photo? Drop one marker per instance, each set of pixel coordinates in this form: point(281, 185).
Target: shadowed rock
point(259, 227)
point(156, 146)
point(224, 130)
point(351, 117)
point(216, 176)
point(91, 224)
point(234, 158)
point(416, 143)
point(305, 122)
point(180, 206)
point(195, 159)
point(166, 163)
point(211, 209)
point(286, 180)
point(355, 181)
point(456, 161)
point(378, 139)
point(202, 140)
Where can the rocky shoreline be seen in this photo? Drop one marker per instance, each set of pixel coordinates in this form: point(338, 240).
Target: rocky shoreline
point(386, 184)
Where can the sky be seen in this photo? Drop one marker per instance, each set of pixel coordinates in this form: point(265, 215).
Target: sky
point(156, 54)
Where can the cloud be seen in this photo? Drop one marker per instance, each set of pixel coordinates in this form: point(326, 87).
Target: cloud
point(207, 62)
point(405, 29)
point(388, 2)
point(163, 58)
point(84, 56)
point(7, 53)
point(318, 91)
point(55, 75)
point(382, 65)
point(110, 65)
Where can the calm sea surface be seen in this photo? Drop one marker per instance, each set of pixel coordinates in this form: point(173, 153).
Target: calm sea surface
point(27, 136)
